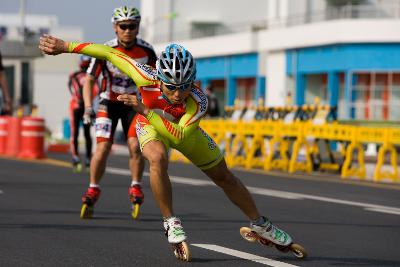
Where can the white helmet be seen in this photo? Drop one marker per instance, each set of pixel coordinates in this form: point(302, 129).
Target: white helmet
point(125, 13)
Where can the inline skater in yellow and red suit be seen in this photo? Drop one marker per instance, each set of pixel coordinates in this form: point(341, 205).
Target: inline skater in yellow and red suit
point(170, 112)
point(113, 83)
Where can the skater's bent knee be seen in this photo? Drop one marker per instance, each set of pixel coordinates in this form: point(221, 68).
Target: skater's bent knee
point(157, 159)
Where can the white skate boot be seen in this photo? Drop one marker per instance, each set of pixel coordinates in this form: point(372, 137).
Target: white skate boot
point(272, 233)
point(176, 237)
point(269, 235)
point(174, 230)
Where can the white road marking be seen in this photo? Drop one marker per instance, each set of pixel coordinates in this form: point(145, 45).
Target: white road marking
point(1, 191)
point(274, 193)
point(119, 171)
point(176, 179)
point(389, 211)
point(244, 255)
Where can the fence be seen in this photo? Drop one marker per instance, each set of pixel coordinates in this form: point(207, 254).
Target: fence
point(296, 146)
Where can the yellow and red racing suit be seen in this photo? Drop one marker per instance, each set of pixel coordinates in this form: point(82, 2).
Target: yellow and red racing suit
point(177, 126)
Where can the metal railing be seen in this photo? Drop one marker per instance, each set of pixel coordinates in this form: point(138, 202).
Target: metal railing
point(382, 11)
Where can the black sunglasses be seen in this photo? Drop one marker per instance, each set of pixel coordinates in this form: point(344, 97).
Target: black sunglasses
point(131, 26)
point(181, 87)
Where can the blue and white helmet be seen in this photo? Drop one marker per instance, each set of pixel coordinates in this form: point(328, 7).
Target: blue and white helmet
point(125, 13)
point(176, 65)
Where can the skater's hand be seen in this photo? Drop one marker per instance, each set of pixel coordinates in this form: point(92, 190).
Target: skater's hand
point(132, 100)
point(89, 116)
point(51, 45)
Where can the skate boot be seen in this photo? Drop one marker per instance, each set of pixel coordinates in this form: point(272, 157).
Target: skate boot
point(76, 165)
point(268, 234)
point(176, 237)
point(88, 200)
point(272, 233)
point(136, 196)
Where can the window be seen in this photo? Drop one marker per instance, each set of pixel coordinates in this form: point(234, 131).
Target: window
point(376, 96)
point(245, 91)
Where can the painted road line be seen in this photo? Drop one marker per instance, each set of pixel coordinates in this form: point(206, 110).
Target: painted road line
point(63, 163)
point(175, 179)
point(121, 171)
point(244, 255)
point(1, 191)
point(274, 193)
point(389, 211)
point(322, 177)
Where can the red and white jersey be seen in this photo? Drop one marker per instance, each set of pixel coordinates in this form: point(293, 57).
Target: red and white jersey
point(75, 85)
point(114, 82)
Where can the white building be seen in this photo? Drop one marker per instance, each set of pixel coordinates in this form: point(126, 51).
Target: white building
point(347, 53)
point(33, 78)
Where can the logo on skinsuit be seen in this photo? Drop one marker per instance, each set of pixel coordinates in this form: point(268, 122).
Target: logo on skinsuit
point(149, 71)
point(140, 131)
point(211, 144)
point(202, 97)
point(103, 127)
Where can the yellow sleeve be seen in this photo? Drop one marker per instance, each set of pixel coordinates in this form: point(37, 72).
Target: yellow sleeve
point(176, 132)
point(141, 74)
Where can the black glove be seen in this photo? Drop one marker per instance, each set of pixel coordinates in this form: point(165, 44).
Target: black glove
point(89, 116)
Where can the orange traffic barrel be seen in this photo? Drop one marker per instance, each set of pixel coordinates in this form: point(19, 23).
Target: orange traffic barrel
point(13, 136)
point(3, 133)
point(32, 138)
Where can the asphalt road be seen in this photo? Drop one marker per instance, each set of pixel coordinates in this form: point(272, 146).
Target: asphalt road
point(339, 223)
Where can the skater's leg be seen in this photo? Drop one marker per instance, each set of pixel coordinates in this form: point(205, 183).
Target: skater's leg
point(136, 165)
point(154, 149)
point(240, 196)
point(98, 162)
point(234, 189)
point(156, 153)
point(136, 161)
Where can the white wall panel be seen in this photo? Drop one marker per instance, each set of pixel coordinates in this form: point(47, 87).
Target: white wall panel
point(276, 79)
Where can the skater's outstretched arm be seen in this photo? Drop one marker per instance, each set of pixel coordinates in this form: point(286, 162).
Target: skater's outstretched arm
point(141, 74)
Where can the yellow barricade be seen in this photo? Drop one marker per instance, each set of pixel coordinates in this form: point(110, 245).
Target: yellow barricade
point(349, 167)
point(296, 162)
point(278, 156)
point(259, 148)
point(328, 132)
point(233, 139)
point(392, 136)
point(266, 144)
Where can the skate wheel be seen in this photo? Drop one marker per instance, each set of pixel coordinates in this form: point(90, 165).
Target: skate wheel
point(247, 234)
point(182, 252)
point(298, 251)
point(86, 211)
point(135, 211)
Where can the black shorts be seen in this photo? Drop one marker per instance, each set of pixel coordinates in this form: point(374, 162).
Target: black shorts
point(108, 114)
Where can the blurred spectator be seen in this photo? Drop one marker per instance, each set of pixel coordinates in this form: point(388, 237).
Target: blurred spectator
point(5, 100)
point(76, 110)
point(213, 106)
